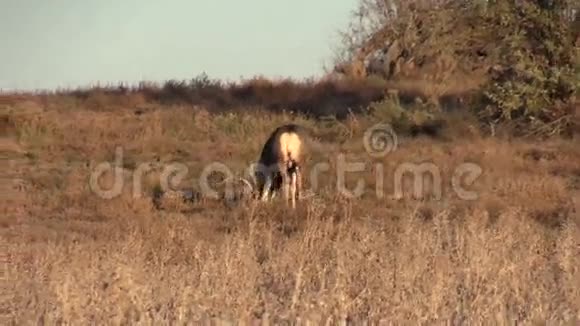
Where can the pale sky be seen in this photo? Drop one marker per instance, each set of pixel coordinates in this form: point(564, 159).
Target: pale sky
point(67, 43)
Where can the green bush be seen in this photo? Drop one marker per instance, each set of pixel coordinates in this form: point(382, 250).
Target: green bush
point(415, 119)
point(518, 58)
point(536, 77)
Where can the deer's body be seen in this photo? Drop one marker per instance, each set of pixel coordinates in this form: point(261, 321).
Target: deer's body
point(280, 163)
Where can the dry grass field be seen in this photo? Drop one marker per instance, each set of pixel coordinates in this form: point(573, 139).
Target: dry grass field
point(73, 257)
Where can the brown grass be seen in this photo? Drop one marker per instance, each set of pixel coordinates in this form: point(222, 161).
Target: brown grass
point(314, 98)
point(72, 257)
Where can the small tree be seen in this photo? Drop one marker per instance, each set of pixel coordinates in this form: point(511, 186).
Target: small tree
point(534, 80)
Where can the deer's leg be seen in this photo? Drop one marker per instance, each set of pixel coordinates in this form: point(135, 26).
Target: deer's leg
point(285, 181)
point(267, 186)
point(293, 188)
point(298, 182)
point(276, 184)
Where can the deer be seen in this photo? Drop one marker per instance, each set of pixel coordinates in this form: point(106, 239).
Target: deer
point(280, 164)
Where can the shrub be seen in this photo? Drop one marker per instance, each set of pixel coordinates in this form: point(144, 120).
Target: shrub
point(534, 81)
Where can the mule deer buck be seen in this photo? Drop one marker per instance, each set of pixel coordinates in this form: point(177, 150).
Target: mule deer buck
point(280, 164)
